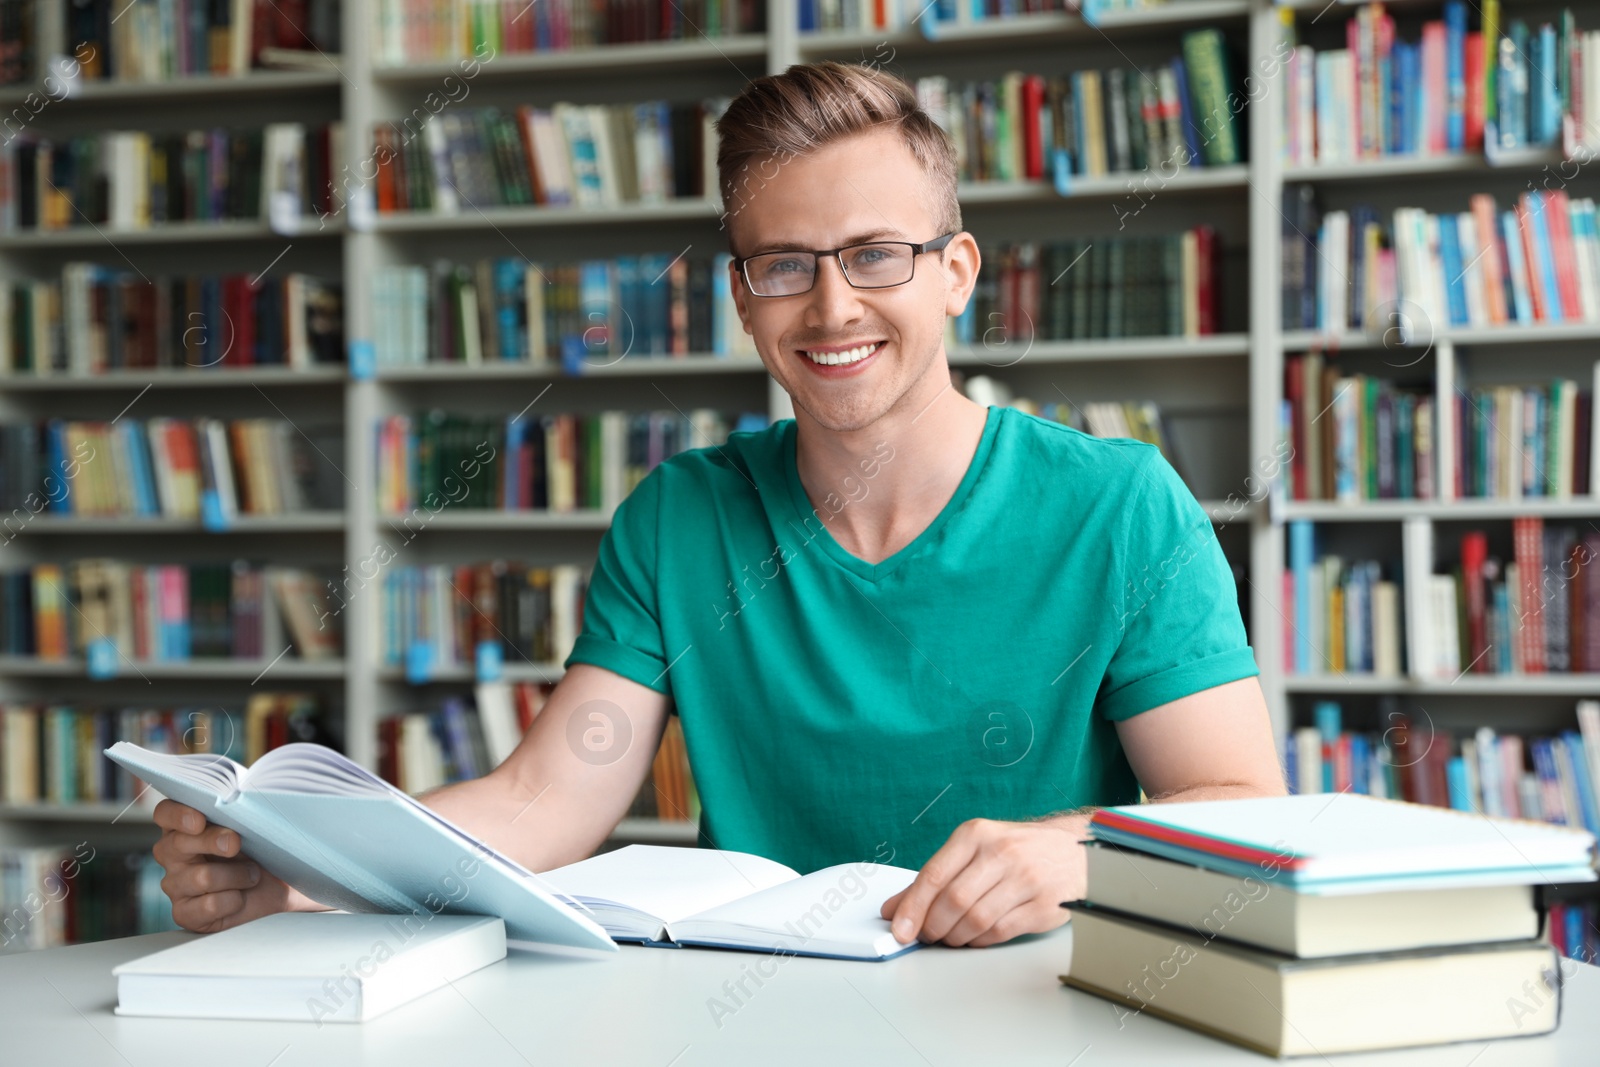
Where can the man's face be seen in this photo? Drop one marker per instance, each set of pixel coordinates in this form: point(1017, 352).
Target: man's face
point(865, 188)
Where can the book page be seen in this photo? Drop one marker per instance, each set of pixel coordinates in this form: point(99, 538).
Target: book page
point(665, 882)
point(838, 905)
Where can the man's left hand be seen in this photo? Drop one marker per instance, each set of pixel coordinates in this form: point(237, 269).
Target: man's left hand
point(993, 881)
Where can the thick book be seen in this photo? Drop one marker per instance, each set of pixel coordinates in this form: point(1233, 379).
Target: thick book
point(1349, 843)
point(1257, 911)
point(309, 967)
point(346, 838)
point(658, 895)
point(1287, 1007)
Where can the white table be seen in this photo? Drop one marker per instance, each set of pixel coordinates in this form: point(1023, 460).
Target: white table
point(651, 1008)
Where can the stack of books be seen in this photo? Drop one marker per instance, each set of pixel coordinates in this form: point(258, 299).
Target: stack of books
point(1309, 925)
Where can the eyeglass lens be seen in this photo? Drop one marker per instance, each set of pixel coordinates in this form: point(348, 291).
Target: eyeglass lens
point(865, 266)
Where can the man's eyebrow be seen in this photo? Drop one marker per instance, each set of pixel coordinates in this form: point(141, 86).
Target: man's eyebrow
point(879, 234)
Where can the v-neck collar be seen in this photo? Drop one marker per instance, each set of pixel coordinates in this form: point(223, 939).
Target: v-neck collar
point(872, 572)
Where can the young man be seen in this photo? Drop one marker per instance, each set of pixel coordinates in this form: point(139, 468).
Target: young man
point(899, 627)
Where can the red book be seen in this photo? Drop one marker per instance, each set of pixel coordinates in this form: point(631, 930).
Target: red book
point(389, 750)
point(1032, 148)
point(1474, 552)
point(1558, 215)
point(1577, 588)
point(1205, 277)
point(383, 150)
point(1475, 101)
point(244, 345)
point(1434, 90)
point(1528, 544)
point(1530, 256)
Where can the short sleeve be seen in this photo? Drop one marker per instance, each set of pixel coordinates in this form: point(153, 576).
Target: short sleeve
point(1178, 626)
point(621, 615)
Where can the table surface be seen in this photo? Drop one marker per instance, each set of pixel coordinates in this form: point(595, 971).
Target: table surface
point(658, 1008)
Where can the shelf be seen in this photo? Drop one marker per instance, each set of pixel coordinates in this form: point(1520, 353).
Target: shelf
point(657, 831)
point(188, 232)
point(1578, 685)
point(1000, 358)
point(463, 673)
point(1118, 183)
point(1535, 333)
point(691, 209)
point(172, 378)
point(303, 522)
point(1037, 29)
point(1467, 509)
point(629, 58)
point(286, 668)
point(119, 811)
point(1378, 168)
point(625, 367)
point(187, 89)
point(496, 519)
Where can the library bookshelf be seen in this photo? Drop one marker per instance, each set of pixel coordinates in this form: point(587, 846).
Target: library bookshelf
point(1221, 391)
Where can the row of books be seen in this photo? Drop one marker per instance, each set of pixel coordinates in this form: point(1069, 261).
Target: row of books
point(1355, 436)
point(1093, 289)
point(466, 738)
point(833, 15)
point(1574, 927)
point(1141, 420)
point(52, 753)
point(1346, 613)
point(1358, 437)
point(578, 155)
point(558, 462)
point(54, 895)
point(572, 315)
point(94, 319)
point(438, 616)
point(1092, 122)
point(158, 40)
point(411, 31)
point(110, 610)
point(17, 46)
point(1539, 262)
point(1544, 779)
point(1380, 95)
point(128, 179)
point(167, 467)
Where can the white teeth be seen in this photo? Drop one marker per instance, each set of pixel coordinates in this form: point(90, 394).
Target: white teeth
point(833, 359)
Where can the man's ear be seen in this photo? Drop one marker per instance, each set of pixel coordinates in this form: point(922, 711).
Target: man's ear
point(961, 263)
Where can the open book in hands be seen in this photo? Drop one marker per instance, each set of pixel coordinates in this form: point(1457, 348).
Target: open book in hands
point(683, 896)
point(346, 838)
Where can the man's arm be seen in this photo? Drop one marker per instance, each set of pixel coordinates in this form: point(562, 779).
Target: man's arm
point(552, 802)
point(995, 880)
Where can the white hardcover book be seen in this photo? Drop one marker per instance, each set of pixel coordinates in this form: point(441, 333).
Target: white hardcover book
point(309, 966)
point(498, 716)
point(347, 839)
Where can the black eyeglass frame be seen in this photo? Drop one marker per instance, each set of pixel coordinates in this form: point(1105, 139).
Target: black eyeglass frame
point(935, 245)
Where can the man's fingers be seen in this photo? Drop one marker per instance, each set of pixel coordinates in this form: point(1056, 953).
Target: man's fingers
point(964, 893)
point(951, 859)
point(887, 911)
point(200, 913)
point(170, 815)
point(215, 841)
point(212, 876)
point(1002, 897)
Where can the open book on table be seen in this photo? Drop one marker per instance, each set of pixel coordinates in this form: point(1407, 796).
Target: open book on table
point(346, 838)
point(658, 894)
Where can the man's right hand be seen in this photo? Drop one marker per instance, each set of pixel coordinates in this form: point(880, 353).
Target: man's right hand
point(211, 885)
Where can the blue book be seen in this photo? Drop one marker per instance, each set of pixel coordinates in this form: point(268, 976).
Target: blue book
point(58, 490)
point(355, 842)
point(1460, 791)
point(1519, 83)
point(1360, 764)
point(722, 301)
point(1455, 284)
point(1455, 76)
point(1544, 257)
point(1301, 559)
point(510, 306)
point(1291, 764)
point(1545, 86)
point(1517, 298)
point(1571, 744)
point(1192, 136)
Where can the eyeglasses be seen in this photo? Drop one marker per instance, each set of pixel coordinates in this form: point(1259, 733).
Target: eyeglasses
point(878, 265)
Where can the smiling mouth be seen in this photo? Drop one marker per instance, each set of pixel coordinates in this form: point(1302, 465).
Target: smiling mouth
point(838, 359)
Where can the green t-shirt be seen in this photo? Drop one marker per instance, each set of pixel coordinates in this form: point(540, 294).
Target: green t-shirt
point(836, 710)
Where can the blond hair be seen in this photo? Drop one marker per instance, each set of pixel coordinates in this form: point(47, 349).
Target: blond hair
point(810, 105)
